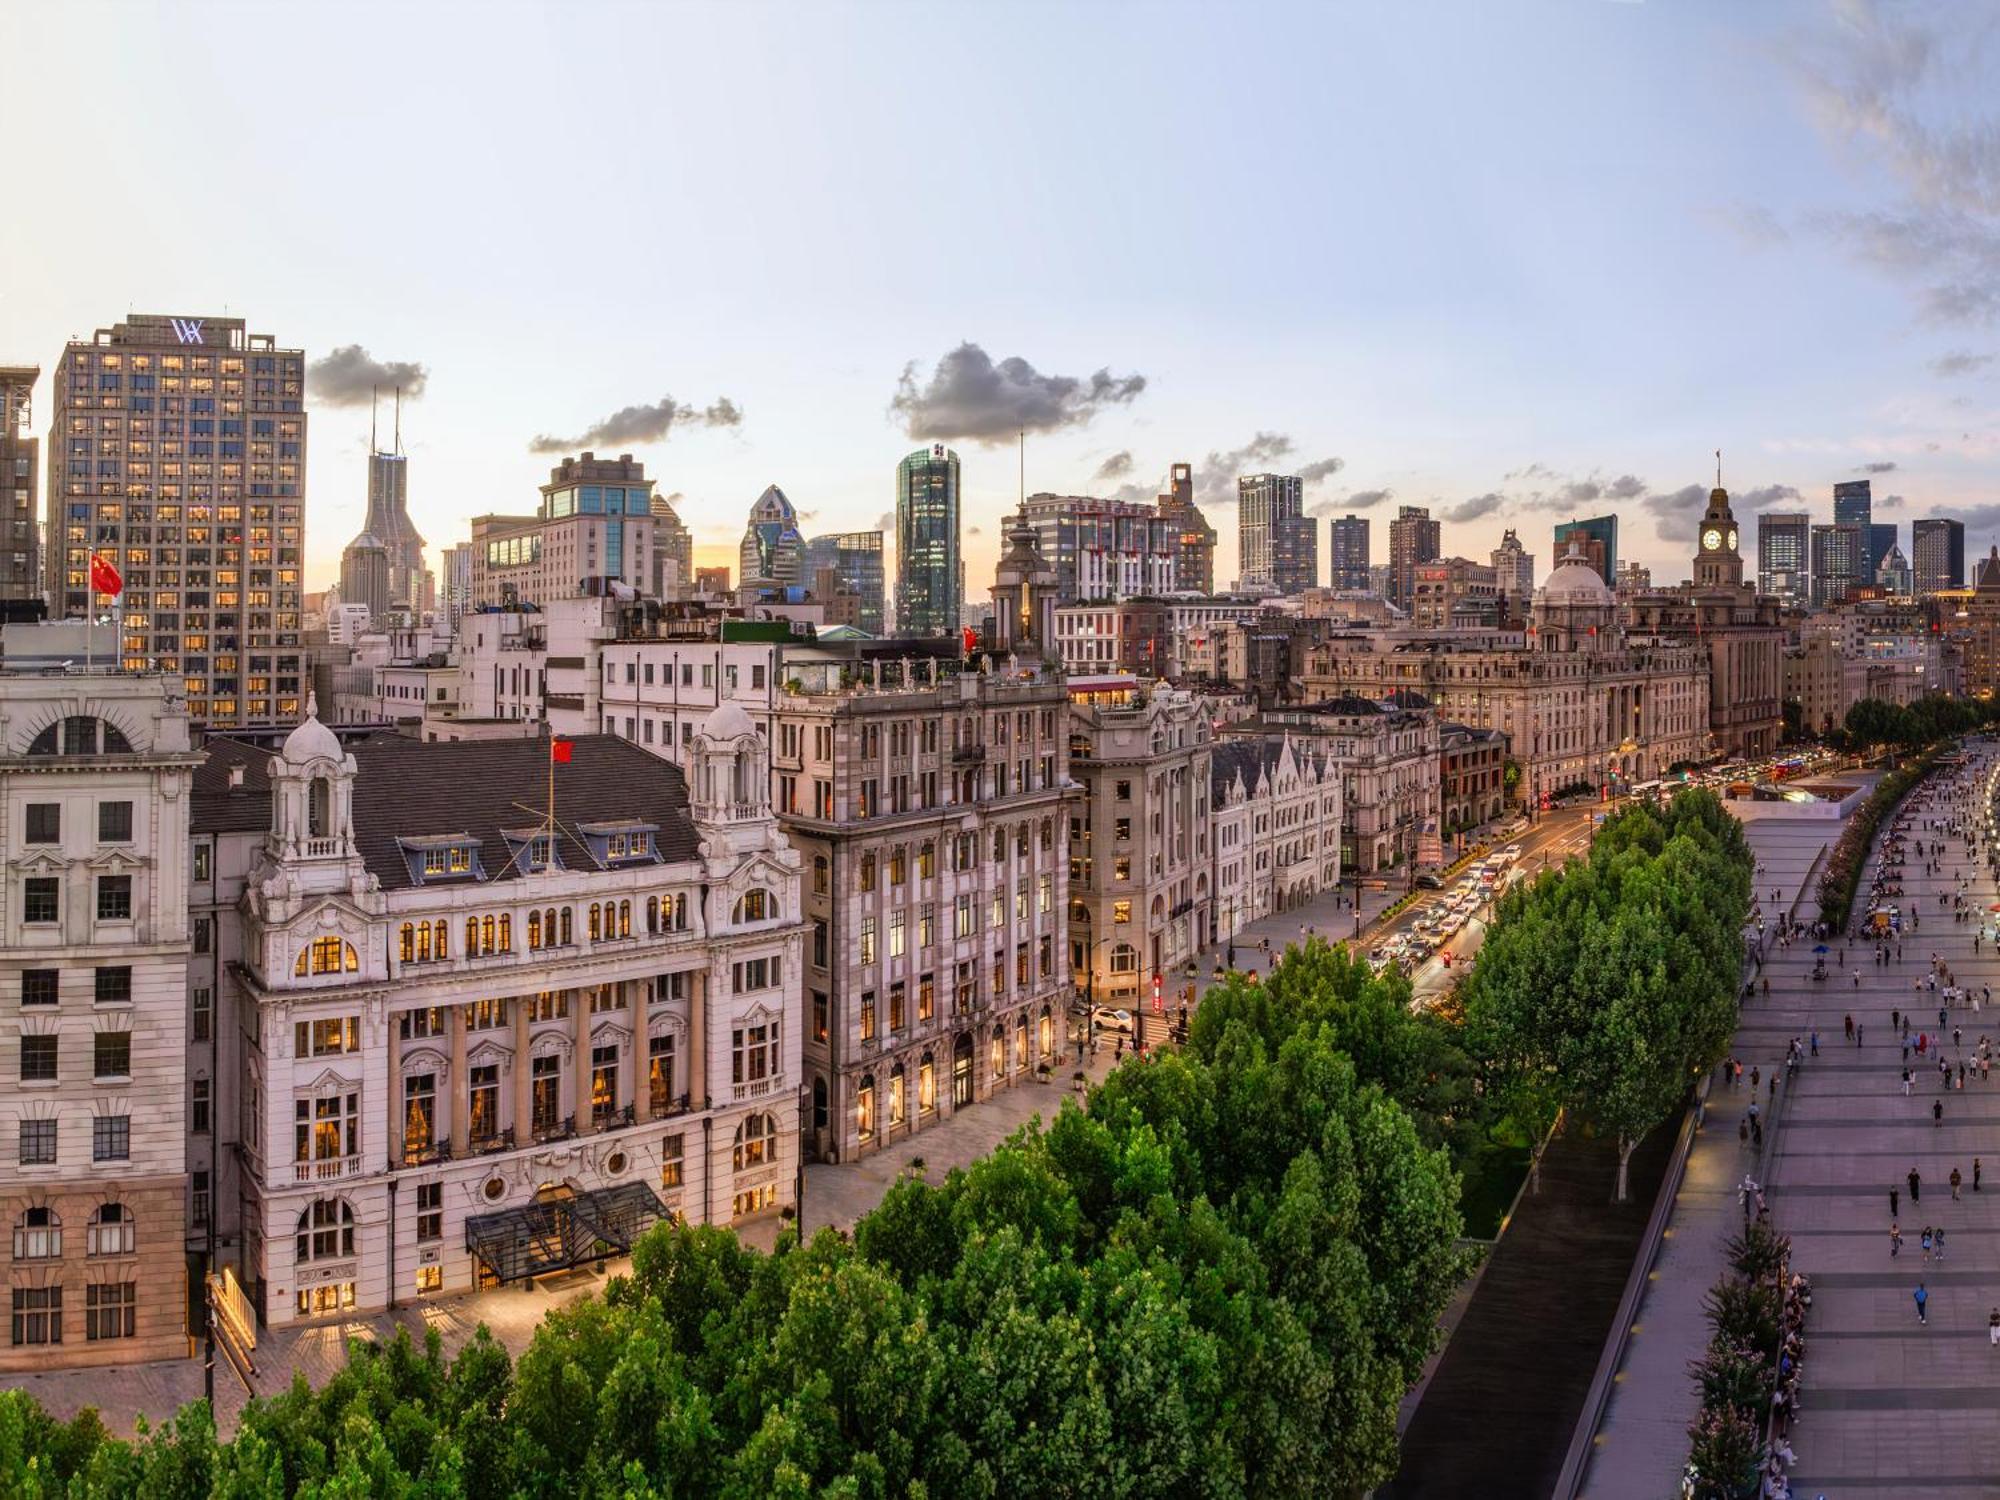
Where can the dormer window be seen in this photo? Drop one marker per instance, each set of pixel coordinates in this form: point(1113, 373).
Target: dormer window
point(453, 856)
point(455, 859)
point(530, 850)
point(620, 843)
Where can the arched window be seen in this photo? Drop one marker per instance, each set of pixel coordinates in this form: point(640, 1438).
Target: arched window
point(488, 934)
point(534, 929)
point(325, 1231)
point(652, 914)
point(864, 1107)
point(406, 942)
point(756, 1142)
point(318, 808)
point(472, 937)
point(1124, 958)
point(596, 922)
point(329, 955)
point(926, 1084)
point(113, 1231)
point(506, 932)
point(1045, 1035)
point(38, 1235)
point(1020, 1044)
point(756, 906)
point(624, 918)
point(681, 912)
point(568, 927)
point(440, 944)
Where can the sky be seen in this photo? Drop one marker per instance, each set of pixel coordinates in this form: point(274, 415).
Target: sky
point(1516, 260)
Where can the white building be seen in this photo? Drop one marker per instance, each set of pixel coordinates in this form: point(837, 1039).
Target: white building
point(1276, 827)
point(94, 788)
point(472, 1050)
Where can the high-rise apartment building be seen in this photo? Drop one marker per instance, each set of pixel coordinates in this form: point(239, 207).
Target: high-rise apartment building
point(594, 526)
point(1413, 538)
point(855, 560)
point(95, 779)
point(1599, 537)
point(1854, 505)
point(1837, 554)
point(1937, 554)
point(1347, 546)
point(178, 451)
point(930, 578)
point(1784, 542)
point(1881, 542)
point(1514, 571)
point(20, 472)
point(1105, 549)
point(457, 593)
point(773, 554)
point(1277, 543)
point(1193, 537)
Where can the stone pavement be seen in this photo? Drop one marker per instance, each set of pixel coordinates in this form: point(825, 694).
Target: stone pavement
point(1641, 1444)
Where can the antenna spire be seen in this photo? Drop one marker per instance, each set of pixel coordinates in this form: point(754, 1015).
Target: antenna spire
point(399, 421)
point(1718, 468)
point(1022, 436)
point(374, 401)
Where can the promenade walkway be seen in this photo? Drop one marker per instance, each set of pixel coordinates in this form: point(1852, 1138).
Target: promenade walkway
point(1642, 1443)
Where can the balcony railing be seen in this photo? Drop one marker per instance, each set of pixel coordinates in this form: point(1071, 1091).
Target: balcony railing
point(613, 1119)
point(754, 1089)
point(492, 1141)
point(322, 848)
point(423, 1153)
point(326, 1169)
point(555, 1130)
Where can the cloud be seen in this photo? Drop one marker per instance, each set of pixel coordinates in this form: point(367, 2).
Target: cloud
point(969, 397)
point(1959, 362)
point(886, 522)
point(1324, 468)
point(974, 531)
point(1766, 496)
point(1677, 513)
point(1475, 508)
point(1115, 467)
point(652, 423)
point(350, 376)
point(1267, 452)
point(1573, 496)
point(1536, 471)
point(1879, 466)
point(1888, 502)
point(1363, 499)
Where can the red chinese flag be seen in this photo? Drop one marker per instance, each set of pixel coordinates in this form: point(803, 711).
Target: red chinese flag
point(971, 639)
point(104, 577)
point(559, 751)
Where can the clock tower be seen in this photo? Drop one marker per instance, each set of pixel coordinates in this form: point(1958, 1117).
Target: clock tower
point(1717, 564)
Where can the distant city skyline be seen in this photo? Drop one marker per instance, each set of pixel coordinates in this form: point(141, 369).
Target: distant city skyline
point(1500, 314)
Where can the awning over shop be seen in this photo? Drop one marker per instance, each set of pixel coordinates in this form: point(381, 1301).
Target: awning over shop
point(554, 1234)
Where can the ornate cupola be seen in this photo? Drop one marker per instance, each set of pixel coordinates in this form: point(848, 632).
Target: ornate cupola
point(729, 789)
point(1025, 587)
point(310, 849)
point(1717, 563)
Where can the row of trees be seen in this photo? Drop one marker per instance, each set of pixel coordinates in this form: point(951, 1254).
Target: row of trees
point(1220, 1278)
point(1605, 988)
point(1874, 721)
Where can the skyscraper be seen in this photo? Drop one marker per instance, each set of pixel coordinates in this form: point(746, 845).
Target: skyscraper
point(1105, 549)
point(183, 459)
point(1599, 536)
point(1937, 555)
point(1783, 556)
point(1514, 570)
point(1278, 545)
point(20, 465)
point(1193, 537)
point(1854, 505)
point(855, 560)
point(1837, 554)
point(929, 575)
point(1413, 538)
point(1881, 542)
point(457, 590)
point(773, 553)
point(1348, 552)
point(673, 552)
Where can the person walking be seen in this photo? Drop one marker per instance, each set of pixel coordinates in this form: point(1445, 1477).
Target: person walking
point(1916, 1182)
point(1955, 1180)
point(1923, 1300)
point(1895, 1241)
point(1937, 1242)
point(1975, 1174)
point(1848, 1024)
point(1937, 1112)
point(1993, 1327)
point(1895, 1203)
point(1925, 1241)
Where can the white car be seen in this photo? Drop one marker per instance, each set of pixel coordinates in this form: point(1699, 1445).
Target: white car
point(1107, 1019)
point(1512, 851)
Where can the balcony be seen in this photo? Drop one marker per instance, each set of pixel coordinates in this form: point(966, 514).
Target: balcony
point(613, 1119)
point(969, 755)
point(755, 1089)
point(322, 848)
point(486, 1145)
point(554, 1130)
point(327, 1169)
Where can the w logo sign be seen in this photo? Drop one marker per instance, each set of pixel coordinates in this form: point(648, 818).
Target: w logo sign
point(187, 330)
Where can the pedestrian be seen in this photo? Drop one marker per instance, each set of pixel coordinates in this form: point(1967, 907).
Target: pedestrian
point(1848, 1024)
point(1895, 1203)
point(1955, 1180)
point(1756, 1076)
point(1937, 1112)
point(1926, 1242)
point(1895, 1019)
point(1923, 1301)
point(1937, 1242)
point(1993, 1327)
point(1815, 1041)
point(1975, 1174)
point(1895, 1242)
point(1916, 1186)
point(1906, 1083)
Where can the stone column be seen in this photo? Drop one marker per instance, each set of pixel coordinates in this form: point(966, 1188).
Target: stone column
point(461, 1084)
point(642, 1092)
point(524, 1097)
point(698, 1039)
point(396, 1103)
point(580, 1035)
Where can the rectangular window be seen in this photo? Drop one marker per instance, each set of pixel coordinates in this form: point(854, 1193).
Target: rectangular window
point(40, 899)
point(429, 1279)
point(898, 1006)
point(201, 1019)
point(671, 1161)
point(895, 934)
point(111, 1138)
point(327, 1038)
point(114, 822)
point(868, 940)
point(547, 1093)
point(820, 1015)
point(38, 986)
point(114, 898)
point(198, 1107)
point(203, 856)
point(198, 1208)
point(111, 1054)
point(603, 1084)
point(111, 1310)
point(483, 1103)
point(44, 823)
point(38, 1143)
point(37, 1315)
point(754, 1052)
point(867, 1015)
point(112, 986)
point(757, 974)
point(660, 1073)
point(430, 1211)
point(822, 942)
point(38, 1059)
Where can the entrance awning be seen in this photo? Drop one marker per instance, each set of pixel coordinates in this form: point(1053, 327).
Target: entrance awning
point(557, 1233)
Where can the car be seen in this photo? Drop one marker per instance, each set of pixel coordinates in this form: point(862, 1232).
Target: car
point(1108, 1019)
point(1428, 881)
point(1512, 851)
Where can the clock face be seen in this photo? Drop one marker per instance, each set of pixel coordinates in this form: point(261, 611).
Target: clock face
point(1711, 539)
point(1732, 539)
